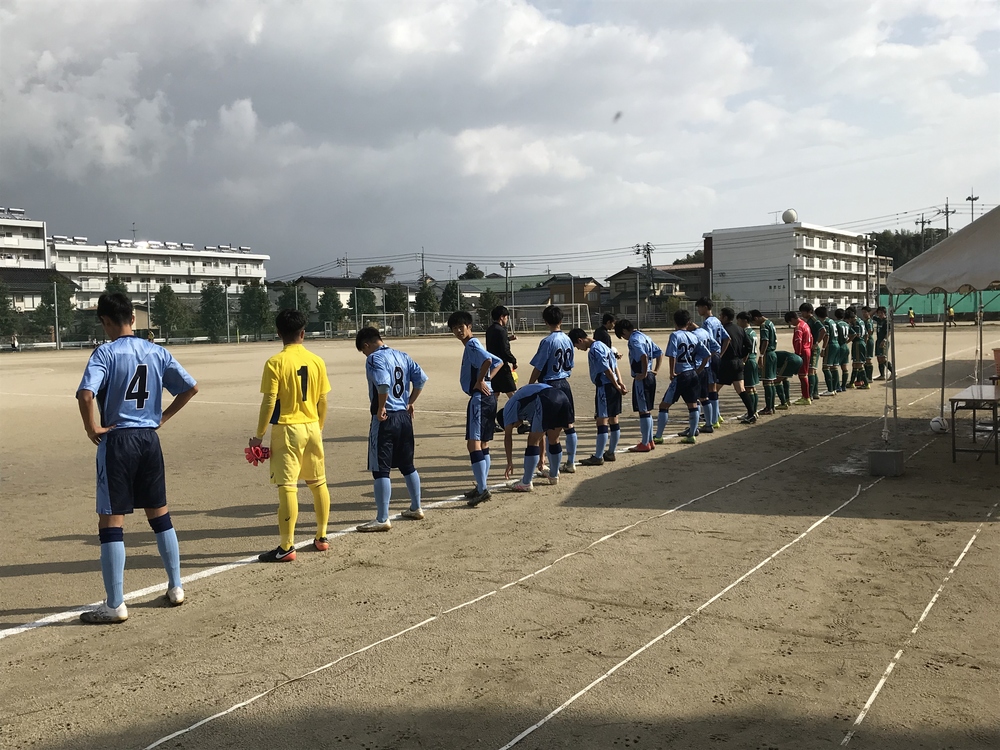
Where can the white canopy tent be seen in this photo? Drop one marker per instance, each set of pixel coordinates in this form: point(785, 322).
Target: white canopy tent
point(966, 262)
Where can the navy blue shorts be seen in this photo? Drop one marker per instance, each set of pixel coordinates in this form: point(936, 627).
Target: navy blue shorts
point(607, 402)
point(130, 471)
point(562, 385)
point(703, 380)
point(670, 396)
point(644, 394)
point(390, 443)
point(688, 386)
point(551, 410)
point(713, 370)
point(481, 417)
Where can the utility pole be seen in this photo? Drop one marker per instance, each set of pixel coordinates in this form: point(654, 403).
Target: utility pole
point(972, 203)
point(647, 252)
point(133, 231)
point(55, 309)
point(507, 266)
point(344, 263)
point(423, 269)
point(922, 222)
point(947, 213)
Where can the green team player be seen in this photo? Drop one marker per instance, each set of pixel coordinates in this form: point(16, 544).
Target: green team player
point(831, 352)
point(882, 343)
point(859, 349)
point(766, 359)
point(818, 331)
point(751, 370)
point(843, 339)
point(869, 323)
point(786, 364)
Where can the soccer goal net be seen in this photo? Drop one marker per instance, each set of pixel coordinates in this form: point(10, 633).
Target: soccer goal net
point(528, 318)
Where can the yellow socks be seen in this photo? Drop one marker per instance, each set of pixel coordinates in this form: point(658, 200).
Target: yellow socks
point(288, 514)
point(321, 504)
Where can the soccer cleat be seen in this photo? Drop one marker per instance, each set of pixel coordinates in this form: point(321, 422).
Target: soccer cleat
point(277, 555)
point(609, 456)
point(657, 441)
point(471, 493)
point(864, 387)
point(479, 497)
point(828, 393)
point(523, 429)
point(722, 420)
point(641, 448)
point(707, 429)
point(554, 480)
point(415, 514)
point(689, 440)
point(717, 425)
point(765, 412)
point(568, 468)
point(781, 407)
point(803, 402)
point(542, 471)
point(105, 615)
point(751, 420)
point(592, 461)
point(521, 487)
point(175, 596)
point(321, 544)
point(374, 526)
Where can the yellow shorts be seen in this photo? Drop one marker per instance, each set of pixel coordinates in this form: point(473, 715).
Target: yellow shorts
point(296, 453)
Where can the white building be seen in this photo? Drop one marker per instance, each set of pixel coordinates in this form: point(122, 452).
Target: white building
point(777, 267)
point(23, 246)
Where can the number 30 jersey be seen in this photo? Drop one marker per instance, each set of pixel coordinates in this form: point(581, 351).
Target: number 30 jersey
point(554, 358)
point(127, 377)
point(395, 369)
point(297, 378)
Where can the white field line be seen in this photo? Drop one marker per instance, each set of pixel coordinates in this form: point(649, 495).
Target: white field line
point(551, 715)
point(489, 594)
point(909, 639)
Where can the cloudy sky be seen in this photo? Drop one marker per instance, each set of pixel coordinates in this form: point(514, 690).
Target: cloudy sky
point(490, 130)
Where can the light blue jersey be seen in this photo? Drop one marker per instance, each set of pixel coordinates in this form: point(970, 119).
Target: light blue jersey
point(554, 358)
point(520, 407)
point(127, 377)
point(472, 360)
point(708, 340)
point(601, 359)
point(688, 351)
point(395, 369)
point(714, 326)
point(639, 344)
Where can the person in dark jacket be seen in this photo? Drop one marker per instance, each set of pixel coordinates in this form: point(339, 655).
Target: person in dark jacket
point(498, 344)
point(603, 333)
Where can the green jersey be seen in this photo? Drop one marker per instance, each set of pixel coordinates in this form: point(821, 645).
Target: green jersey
point(769, 335)
point(881, 329)
point(751, 335)
point(816, 328)
point(869, 328)
point(831, 331)
point(843, 332)
point(857, 330)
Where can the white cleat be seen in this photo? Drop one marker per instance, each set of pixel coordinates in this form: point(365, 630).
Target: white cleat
point(175, 596)
point(105, 615)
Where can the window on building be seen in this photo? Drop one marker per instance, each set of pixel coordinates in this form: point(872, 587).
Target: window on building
point(836, 265)
point(822, 283)
point(822, 263)
point(593, 296)
point(847, 265)
point(836, 283)
point(558, 299)
point(822, 244)
point(620, 286)
point(847, 247)
point(810, 242)
point(810, 262)
point(836, 245)
point(848, 285)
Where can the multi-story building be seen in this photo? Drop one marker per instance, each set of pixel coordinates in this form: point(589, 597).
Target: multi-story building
point(777, 267)
point(23, 258)
point(693, 276)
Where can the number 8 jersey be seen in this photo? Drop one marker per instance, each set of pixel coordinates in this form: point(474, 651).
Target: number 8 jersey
point(395, 369)
point(297, 377)
point(127, 377)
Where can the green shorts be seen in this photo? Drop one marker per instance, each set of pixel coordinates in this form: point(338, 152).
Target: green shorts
point(871, 350)
point(858, 352)
point(792, 366)
point(751, 373)
point(814, 358)
point(882, 348)
point(845, 354)
point(832, 358)
point(770, 365)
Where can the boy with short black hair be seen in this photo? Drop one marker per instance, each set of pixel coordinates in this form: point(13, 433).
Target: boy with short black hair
point(733, 359)
point(126, 377)
point(751, 370)
point(686, 356)
point(294, 385)
point(882, 343)
point(767, 358)
point(395, 382)
point(830, 352)
point(642, 354)
point(859, 350)
point(802, 344)
point(844, 340)
point(606, 378)
point(553, 363)
point(818, 332)
point(868, 321)
point(714, 326)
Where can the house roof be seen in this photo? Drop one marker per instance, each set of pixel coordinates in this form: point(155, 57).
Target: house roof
point(31, 279)
point(565, 278)
point(540, 296)
point(658, 274)
point(499, 284)
point(681, 267)
point(330, 282)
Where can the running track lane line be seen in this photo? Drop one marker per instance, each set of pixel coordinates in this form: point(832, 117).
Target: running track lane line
point(692, 614)
point(131, 596)
point(899, 654)
point(489, 594)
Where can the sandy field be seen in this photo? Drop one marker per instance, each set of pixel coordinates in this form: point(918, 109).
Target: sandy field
point(750, 591)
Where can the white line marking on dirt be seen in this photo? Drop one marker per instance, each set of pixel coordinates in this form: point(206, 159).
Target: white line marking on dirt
point(488, 594)
point(913, 632)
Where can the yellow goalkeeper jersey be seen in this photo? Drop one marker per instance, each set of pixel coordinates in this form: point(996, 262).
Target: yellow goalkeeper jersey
point(297, 378)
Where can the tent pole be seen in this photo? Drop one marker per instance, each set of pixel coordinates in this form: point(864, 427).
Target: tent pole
point(944, 353)
point(980, 375)
point(892, 362)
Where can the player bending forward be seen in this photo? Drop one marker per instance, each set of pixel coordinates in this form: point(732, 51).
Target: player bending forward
point(547, 412)
point(687, 358)
point(394, 384)
point(130, 375)
point(605, 376)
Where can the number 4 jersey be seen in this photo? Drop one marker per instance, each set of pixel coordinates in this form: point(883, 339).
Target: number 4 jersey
point(127, 377)
point(297, 377)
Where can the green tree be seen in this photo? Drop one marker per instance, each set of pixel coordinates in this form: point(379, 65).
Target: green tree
point(116, 285)
point(255, 309)
point(698, 256)
point(330, 307)
point(487, 301)
point(451, 300)
point(362, 301)
point(426, 300)
point(396, 299)
point(287, 299)
point(44, 317)
point(212, 313)
point(7, 313)
point(168, 313)
point(472, 271)
point(376, 274)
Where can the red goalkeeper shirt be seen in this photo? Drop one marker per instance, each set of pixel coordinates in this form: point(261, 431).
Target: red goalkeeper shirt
point(802, 341)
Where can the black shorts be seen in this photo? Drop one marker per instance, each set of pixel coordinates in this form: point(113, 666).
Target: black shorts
point(481, 417)
point(503, 381)
point(562, 385)
point(730, 370)
point(689, 386)
point(130, 471)
point(607, 401)
point(390, 443)
point(644, 394)
point(557, 409)
point(703, 384)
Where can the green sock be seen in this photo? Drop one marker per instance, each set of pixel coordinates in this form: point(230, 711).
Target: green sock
point(814, 386)
point(828, 377)
point(755, 401)
point(868, 372)
point(881, 369)
point(786, 390)
point(768, 396)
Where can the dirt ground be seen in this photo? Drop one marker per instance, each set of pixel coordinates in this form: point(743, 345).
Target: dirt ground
point(785, 658)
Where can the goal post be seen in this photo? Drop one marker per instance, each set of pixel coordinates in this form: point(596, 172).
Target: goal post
point(528, 318)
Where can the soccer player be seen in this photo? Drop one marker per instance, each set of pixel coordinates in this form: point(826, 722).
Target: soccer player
point(767, 358)
point(603, 333)
point(552, 363)
point(912, 317)
point(786, 364)
point(547, 411)
point(859, 349)
point(478, 369)
point(951, 317)
point(127, 377)
point(869, 323)
point(644, 359)
point(708, 340)
point(294, 387)
point(670, 397)
point(818, 331)
point(686, 356)
point(831, 353)
point(802, 344)
point(605, 376)
point(714, 326)
point(751, 371)
point(844, 340)
point(498, 344)
point(394, 384)
point(882, 343)
point(733, 359)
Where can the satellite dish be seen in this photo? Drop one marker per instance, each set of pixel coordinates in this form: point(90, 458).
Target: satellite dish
point(790, 216)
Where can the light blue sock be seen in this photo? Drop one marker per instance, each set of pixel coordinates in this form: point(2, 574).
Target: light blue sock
point(479, 469)
point(531, 456)
point(661, 422)
point(646, 428)
point(692, 422)
point(616, 433)
point(571, 441)
point(602, 440)
point(713, 405)
point(113, 564)
point(555, 458)
point(170, 553)
point(383, 490)
point(704, 411)
point(413, 488)
point(489, 463)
